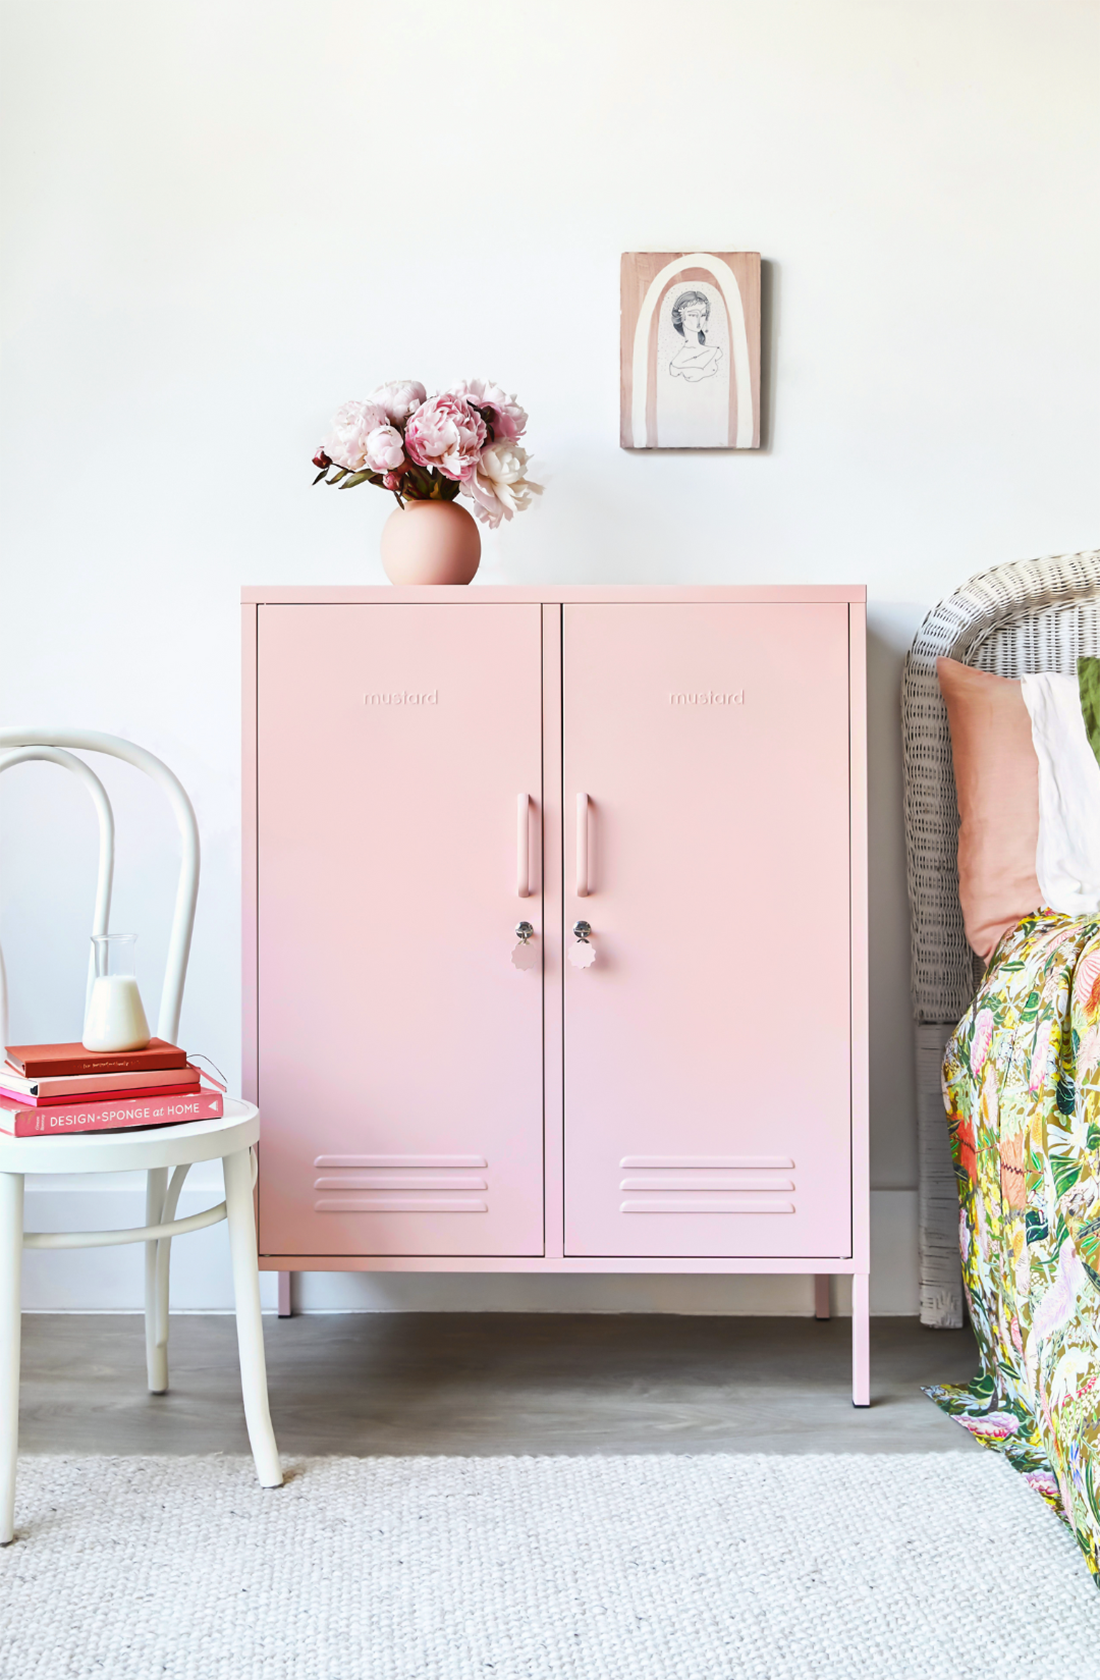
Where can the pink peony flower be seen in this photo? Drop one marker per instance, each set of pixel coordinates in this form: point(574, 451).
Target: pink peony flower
point(1046, 1486)
point(352, 425)
point(994, 1426)
point(1059, 1304)
point(1088, 1052)
point(982, 1039)
point(445, 433)
point(507, 419)
point(498, 487)
point(384, 450)
point(399, 397)
point(1042, 1056)
point(1086, 993)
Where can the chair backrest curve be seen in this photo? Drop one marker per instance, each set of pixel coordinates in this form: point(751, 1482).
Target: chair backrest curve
point(56, 746)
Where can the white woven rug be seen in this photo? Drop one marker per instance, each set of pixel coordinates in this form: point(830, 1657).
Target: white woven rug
point(725, 1567)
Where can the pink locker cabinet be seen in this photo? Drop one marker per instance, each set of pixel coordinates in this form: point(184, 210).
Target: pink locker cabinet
point(677, 773)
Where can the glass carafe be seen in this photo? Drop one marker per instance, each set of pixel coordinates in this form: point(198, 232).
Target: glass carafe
point(115, 1018)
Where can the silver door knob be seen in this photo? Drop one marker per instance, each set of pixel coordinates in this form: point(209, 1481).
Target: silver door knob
point(525, 955)
point(582, 954)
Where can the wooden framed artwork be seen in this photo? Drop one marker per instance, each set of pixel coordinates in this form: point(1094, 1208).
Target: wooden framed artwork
point(690, 350)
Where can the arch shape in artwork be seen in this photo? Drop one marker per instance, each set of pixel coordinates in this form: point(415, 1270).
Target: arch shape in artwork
point(726, 281)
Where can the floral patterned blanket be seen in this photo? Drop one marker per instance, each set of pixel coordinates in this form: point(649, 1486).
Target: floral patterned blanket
point(1022, 1090)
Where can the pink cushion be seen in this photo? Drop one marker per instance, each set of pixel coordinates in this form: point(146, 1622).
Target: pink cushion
point(997, 782)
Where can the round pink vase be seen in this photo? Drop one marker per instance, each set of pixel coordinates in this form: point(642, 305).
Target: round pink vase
point(430, 542)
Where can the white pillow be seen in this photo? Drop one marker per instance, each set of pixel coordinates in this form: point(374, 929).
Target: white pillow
point(1067, 859)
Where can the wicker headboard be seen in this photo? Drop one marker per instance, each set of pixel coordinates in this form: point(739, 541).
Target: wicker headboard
point(1030, 615)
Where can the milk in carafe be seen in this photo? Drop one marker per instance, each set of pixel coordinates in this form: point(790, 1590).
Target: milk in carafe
point(115, 1017)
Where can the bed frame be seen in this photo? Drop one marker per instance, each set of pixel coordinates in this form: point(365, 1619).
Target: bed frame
point(1030, 615)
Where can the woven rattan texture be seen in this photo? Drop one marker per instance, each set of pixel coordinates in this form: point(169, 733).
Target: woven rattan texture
point(1032, 615)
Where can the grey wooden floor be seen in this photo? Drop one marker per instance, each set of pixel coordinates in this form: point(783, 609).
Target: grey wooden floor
point(493, 1383)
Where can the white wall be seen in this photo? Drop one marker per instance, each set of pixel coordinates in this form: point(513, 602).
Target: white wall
point(224, 219)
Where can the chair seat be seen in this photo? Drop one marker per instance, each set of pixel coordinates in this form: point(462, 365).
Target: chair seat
point(135, 1150)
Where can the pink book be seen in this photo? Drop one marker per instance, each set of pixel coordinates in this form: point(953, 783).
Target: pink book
point(109, 1084)
point(68, 1099)
point(18, 1120)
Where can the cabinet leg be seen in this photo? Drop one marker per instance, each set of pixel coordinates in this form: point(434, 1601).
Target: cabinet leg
point(286, 1306)
point(11, 1267)
point(861, 1339)
point(822, 1306)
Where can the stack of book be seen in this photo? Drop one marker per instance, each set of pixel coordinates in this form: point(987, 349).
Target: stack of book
point(57, 1089)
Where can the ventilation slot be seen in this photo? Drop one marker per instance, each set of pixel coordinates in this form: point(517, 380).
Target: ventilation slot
point(400, 1183)
point(708, 1184)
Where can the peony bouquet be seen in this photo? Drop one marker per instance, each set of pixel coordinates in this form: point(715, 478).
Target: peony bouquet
point(462, 442)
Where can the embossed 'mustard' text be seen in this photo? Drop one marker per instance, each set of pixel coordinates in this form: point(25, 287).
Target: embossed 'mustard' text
point(708, 697)
point(403, 697)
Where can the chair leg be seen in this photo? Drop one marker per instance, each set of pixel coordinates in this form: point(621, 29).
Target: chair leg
point(156, 1320)
point(159, 1309)
point(11, 1269)
point(250, 1330)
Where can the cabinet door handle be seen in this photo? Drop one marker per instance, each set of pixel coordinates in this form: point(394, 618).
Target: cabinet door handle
point(582, 845)
point(523, 846)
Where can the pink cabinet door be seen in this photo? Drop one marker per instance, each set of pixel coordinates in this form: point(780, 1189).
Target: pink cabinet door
point(707, 1048)
point(400, 1052)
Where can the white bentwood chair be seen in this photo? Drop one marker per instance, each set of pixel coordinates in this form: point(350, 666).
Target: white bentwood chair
point(158, 1152)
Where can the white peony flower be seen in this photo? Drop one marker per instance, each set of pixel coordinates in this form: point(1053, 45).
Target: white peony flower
point(399, 397)
point(498, 486)
point(384, 449)
point(352, 425)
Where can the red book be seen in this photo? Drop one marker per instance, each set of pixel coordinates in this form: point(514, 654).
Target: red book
point(66, 1099)
point(35, 1061)
point(17, 1120)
